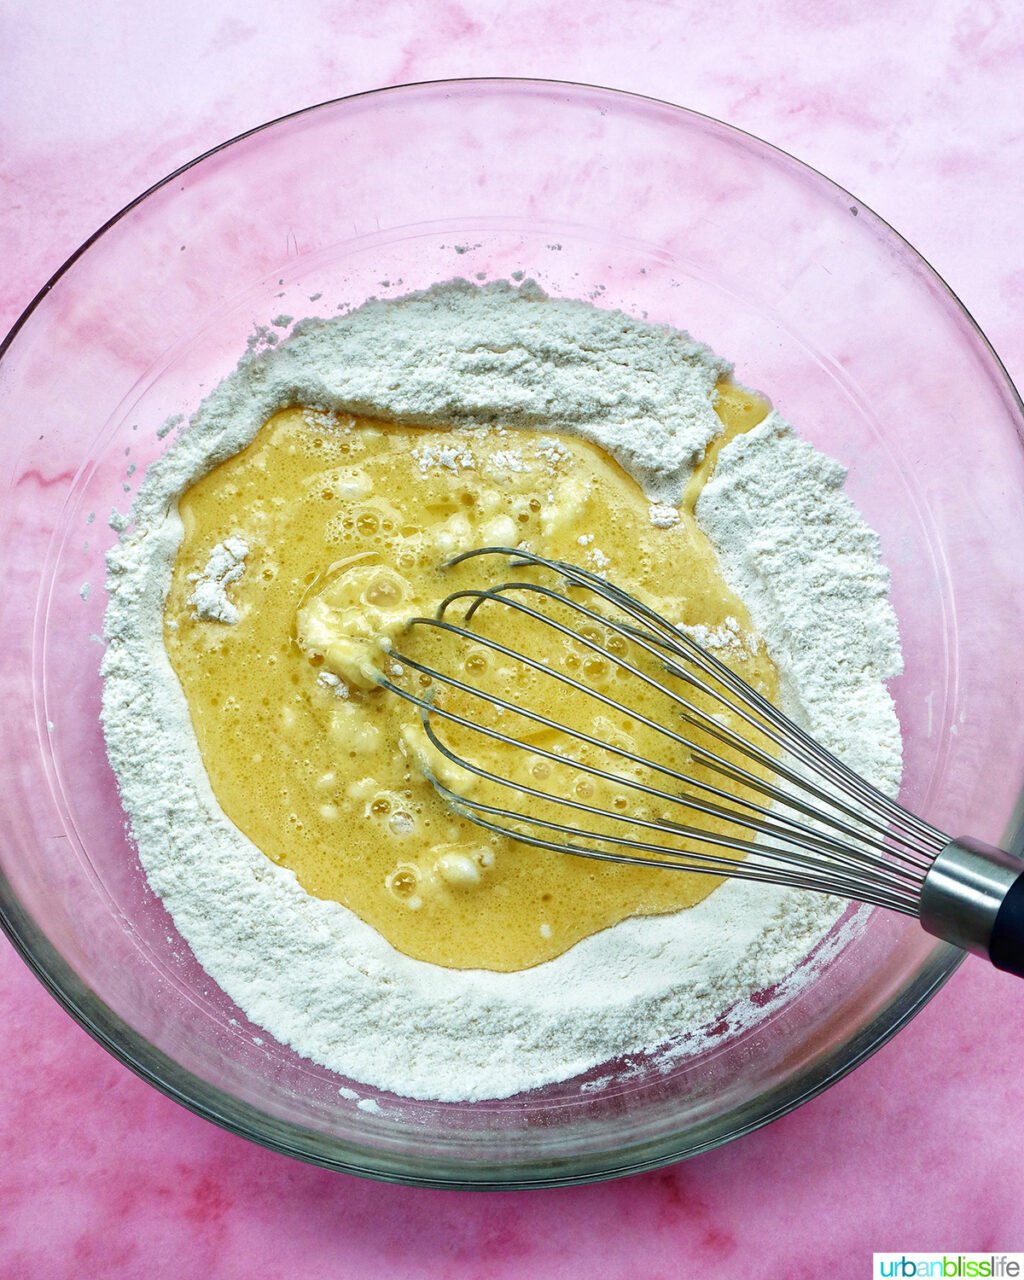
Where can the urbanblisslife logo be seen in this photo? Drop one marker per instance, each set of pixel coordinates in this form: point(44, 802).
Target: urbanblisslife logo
point(948, 1266)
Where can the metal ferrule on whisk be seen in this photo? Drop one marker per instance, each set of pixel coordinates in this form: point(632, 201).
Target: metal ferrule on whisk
point(967, 891)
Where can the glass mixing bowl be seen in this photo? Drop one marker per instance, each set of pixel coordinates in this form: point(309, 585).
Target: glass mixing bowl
point(602, 195)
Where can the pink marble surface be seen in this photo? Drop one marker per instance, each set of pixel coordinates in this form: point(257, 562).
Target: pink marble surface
point(914, 106)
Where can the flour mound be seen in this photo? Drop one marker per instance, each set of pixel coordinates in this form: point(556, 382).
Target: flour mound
point(466, 355)
point(833, 660)
point(312, 973)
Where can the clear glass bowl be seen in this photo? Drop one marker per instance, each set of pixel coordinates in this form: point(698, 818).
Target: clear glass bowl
point(597, 194)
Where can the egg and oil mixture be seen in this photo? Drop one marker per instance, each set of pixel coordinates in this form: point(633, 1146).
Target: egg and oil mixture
point(347, 523)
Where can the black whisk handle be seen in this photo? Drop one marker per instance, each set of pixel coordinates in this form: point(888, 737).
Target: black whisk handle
point(973, 896)
point(1006, 948)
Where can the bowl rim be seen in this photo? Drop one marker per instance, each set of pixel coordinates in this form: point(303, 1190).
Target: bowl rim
point(247, 1120)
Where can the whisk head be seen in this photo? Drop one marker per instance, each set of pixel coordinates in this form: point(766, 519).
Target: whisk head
point(566, 714)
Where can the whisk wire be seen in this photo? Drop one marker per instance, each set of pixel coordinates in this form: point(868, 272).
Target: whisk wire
point(915, 852)
point(766, 855)
point(675, 641)
point(787, 735)
point(760, 870)
point(821, 827)
point(767, 822)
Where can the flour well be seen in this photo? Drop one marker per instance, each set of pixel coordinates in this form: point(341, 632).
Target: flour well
point(790, 542)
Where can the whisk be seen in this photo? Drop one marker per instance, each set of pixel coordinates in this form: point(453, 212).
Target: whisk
point(797, 815)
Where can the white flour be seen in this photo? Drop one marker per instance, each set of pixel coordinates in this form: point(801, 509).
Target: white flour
point(791, 543)
point(225, 566)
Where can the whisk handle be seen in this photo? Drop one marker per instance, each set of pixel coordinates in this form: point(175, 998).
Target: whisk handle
point(1006, 950)
point(973, 896)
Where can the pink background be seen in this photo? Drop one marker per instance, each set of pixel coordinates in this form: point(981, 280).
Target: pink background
point(915, 106)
